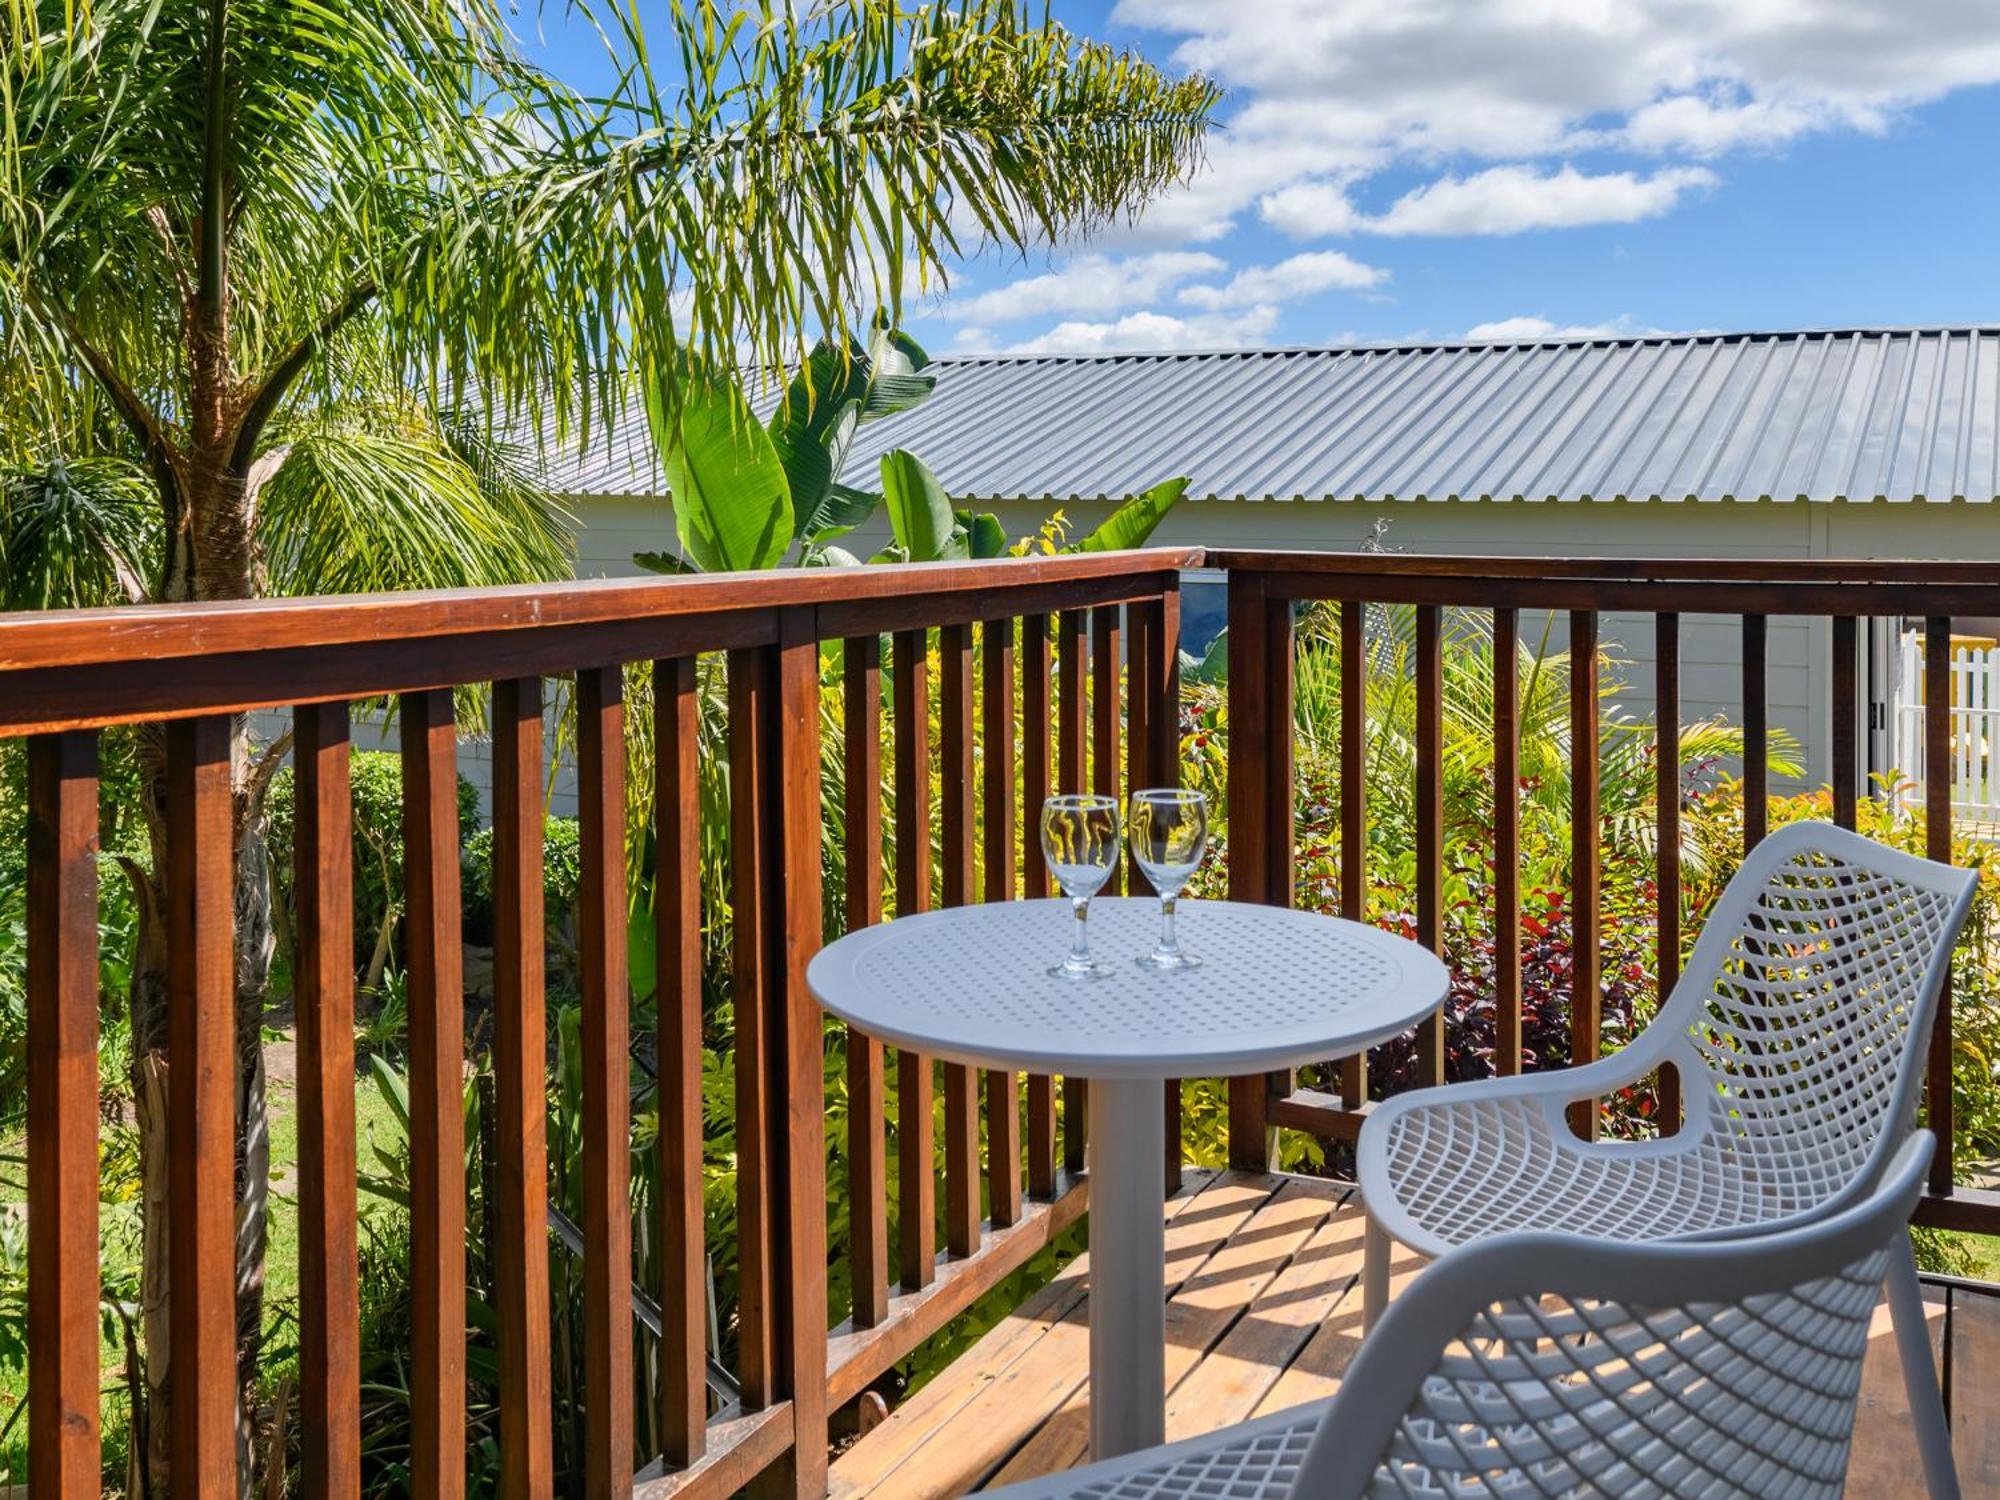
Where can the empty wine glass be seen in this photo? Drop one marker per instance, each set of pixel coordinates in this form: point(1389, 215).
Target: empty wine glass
point(1168, 828)
point(1080, 841)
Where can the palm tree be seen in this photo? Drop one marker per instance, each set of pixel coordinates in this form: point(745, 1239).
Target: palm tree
point(308, 259)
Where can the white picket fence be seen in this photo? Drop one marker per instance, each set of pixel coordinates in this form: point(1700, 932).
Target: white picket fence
point(1975, 728)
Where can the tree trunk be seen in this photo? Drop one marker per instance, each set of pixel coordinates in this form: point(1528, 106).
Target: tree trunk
point(222, 568)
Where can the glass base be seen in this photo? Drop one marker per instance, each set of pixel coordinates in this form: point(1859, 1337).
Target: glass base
point(1095, 968)
point(1160, 962)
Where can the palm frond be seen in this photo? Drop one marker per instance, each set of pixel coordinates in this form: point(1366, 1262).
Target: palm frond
point(76, 533)
point(373, 496)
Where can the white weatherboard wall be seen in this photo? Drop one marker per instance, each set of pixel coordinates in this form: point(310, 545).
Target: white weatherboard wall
point(611, 528)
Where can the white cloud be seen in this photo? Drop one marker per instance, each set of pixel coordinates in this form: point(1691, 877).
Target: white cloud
point(1336, 92)
point(1507, 200)
point(1711, 125)
point(1090, 283)
point(1526, 329)
point(1153, 330)
point(1507, 115)
point(1297, 276)
point(1308, 210)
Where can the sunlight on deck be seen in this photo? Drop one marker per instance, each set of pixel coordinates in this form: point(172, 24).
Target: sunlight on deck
point(1264, 1312)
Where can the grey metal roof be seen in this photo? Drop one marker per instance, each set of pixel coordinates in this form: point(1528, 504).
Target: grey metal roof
point(618, 460)
point(1854, 414)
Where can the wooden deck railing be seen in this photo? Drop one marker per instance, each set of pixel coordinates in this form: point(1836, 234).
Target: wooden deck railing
point(1264, 589)
point(65, 677)
point(1089, 646)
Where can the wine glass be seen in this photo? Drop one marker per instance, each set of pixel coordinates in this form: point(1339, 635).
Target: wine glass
point(1080, 841)
point(1168, 828)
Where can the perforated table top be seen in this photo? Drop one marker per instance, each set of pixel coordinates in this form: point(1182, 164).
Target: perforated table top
point(1276, 988)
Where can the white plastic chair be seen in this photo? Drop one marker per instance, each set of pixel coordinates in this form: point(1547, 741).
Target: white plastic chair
point(1799, 1029)
point(1541, 1365)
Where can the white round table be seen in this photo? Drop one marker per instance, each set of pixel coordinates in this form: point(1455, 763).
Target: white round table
point(1276, 989)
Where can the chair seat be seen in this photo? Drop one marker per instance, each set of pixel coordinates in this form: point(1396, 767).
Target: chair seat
point(1449, 1167)
point(1257, 1460)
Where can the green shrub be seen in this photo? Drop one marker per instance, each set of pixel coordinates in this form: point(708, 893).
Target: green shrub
point(562, 869)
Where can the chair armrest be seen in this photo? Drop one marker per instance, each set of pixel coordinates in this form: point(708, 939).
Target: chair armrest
point(1537, 1100)
point(1558, 1087)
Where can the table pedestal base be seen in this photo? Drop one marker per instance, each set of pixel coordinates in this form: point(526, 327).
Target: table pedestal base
point(1128, 1254)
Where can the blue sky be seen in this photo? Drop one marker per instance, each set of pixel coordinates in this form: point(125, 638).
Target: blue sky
point(1442, 168)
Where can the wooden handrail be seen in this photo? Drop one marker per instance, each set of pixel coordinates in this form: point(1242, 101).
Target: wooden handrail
point(1659, 569)
point(156, 632)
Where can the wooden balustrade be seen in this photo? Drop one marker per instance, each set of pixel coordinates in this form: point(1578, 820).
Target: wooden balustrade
point(983, 629)
point(1266, 587)
point(1042, 674)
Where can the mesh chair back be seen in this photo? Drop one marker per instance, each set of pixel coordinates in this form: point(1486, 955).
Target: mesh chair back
point(1660, 1370)
point(1801, 1022)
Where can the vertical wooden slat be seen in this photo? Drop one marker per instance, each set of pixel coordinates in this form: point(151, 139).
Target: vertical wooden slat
point(437, 1083)
point(1430, 822)
point(1035, 784)
point(1281, 800)
point(751, 802)
point(64, 1437)
point(1353, 1071)
point(520, 1046)
point(521, 1095)
point(1140, 692)
point(1846, 768)
point(201, 1104)
point(323, 1004)
point(1072, 669)
point(1003, 1117)
point(677, 928)
point(1667, 837)
point(1586, 997)
point(1756, 732)
point(1107, 716)
point(916, 1212)
point(867, 1162)
point(1506, 841)
point(1153, 757)
point(604, 1033)
point(1938, 1105)
point(1259, 806)
point(955, 783)
point(798, 1097)
point(956, 791)
point(1072, 770)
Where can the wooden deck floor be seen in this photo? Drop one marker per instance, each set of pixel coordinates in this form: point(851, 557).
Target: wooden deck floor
point(1264, 1311)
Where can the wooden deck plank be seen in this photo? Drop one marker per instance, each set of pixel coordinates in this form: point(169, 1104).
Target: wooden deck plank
point(1317, 1369)
point(1239, 1372)
point(1974, 1343)
point(961, 1442)
point(1264, 1312)
point(1884, 1443)
point(1198, 1315)
point(916, 1420)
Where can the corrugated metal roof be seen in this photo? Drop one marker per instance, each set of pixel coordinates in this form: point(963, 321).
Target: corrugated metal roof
point(619, 460)
point(1853, 414)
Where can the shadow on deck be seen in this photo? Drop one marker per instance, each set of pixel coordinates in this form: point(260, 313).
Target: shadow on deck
point(1264, 1312)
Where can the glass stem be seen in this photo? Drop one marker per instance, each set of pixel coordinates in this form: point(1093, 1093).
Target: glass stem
point(1169, 943)
point(1079, 943)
